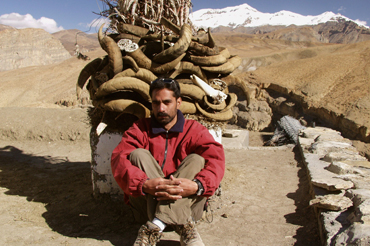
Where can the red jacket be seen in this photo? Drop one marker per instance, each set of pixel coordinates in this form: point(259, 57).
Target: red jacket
point(184, 138)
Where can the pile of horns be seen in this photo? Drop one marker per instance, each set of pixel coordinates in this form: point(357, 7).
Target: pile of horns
point(120, 80)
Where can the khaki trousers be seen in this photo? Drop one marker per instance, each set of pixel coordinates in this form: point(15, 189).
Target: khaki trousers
point(170, 212)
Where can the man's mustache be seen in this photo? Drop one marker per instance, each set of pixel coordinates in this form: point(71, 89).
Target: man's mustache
point(162, 114)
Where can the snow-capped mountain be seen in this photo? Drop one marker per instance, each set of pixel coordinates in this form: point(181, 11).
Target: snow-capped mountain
point(247, 16)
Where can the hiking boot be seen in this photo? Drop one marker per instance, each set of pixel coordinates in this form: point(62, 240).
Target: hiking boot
point(189, 235)
point(148, 235)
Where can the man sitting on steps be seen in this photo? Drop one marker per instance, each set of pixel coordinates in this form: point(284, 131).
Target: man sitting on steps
point(167, 166)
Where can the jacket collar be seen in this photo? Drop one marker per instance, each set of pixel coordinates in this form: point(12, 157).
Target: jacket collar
point(178, 127)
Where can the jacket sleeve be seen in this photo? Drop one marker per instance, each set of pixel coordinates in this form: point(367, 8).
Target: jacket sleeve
point(129, 177)
point(214, 168)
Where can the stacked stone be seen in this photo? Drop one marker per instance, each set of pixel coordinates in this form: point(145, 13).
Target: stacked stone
point(340, 186)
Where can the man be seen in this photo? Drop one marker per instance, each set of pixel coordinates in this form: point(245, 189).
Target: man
point(167, 167)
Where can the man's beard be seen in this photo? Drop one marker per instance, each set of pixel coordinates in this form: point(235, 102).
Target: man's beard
point(166, 120)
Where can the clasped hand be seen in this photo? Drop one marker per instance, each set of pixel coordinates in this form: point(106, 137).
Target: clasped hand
point(170, 189)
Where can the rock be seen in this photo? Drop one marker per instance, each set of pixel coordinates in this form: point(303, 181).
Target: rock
point(254, 118)
point(361, 164)
point(358, 195)
point(332, 202)
point(323, 178)
point(305, 143)
point(342, 168)
point(332, 223)
point(341, 32)
point(235, 139)
point(357, 235)
point(358, 181)
point(323, 148)
point(29, 47)
point(324, 133)
point(343, 156)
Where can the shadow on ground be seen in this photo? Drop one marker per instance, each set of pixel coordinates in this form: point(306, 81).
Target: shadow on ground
point(304, 215)
point(65, 189)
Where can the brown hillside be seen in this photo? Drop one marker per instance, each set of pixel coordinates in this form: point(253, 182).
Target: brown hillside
point(3, 27)
point(86, 42)
point(42, 86)
point(332, 83)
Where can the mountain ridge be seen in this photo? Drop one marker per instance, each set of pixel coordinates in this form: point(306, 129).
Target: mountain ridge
point(246, 16)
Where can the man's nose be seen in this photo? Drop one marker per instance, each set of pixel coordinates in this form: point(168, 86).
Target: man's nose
point(162, 107)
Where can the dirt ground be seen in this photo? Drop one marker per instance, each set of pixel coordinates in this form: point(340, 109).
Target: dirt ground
point(46, 196)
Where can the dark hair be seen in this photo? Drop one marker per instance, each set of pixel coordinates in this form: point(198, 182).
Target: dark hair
point(167, 83)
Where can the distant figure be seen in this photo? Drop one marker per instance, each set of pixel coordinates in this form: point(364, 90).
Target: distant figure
point(77, 50)
point(80, 55)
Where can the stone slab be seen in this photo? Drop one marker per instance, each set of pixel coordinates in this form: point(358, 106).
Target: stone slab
point(235, 139)
point(323, 178)
point(356, 234)
point(332, 202)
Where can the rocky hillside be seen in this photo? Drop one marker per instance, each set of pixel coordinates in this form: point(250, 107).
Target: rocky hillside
point(86, 42)
point(3, 27)
point(344, 32)
point(329, 83)
point(29, 47)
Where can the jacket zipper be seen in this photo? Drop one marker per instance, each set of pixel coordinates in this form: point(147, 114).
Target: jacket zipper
point(165, 151)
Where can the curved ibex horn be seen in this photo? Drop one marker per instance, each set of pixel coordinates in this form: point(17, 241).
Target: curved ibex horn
point(220, 116)
point(225, 68)
point(144, 62)
point(203, 50)
point(188, 107)
point(192, 91)
point(217, 107)
point(124, 106)
point(188, 67)
point(143, 74)
point(132, 29)
point(211, 42)
point(114, 52)
point(233, 80)
point(232, 98)
point(179, 48)
point(215, 60)
point(124, 83)
point(130, 61)
point(86, 72)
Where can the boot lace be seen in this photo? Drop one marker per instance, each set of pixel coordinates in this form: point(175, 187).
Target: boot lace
point(188, 232)
point(148, 237)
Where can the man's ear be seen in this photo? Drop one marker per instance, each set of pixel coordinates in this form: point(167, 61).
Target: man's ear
point(178, 102)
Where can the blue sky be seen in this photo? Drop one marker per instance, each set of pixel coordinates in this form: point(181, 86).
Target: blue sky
point(78, 14)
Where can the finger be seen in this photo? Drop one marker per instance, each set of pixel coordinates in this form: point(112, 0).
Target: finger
point(166, 187)
point(161, 196)
point(166, 194)
point(175, 180)
point(171, 190)
point(170, 182)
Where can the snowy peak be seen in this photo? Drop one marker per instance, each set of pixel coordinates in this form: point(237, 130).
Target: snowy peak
point(247, 16)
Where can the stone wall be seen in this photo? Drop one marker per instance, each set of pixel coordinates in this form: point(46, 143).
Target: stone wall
point(340, 186)
point(29, 47)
